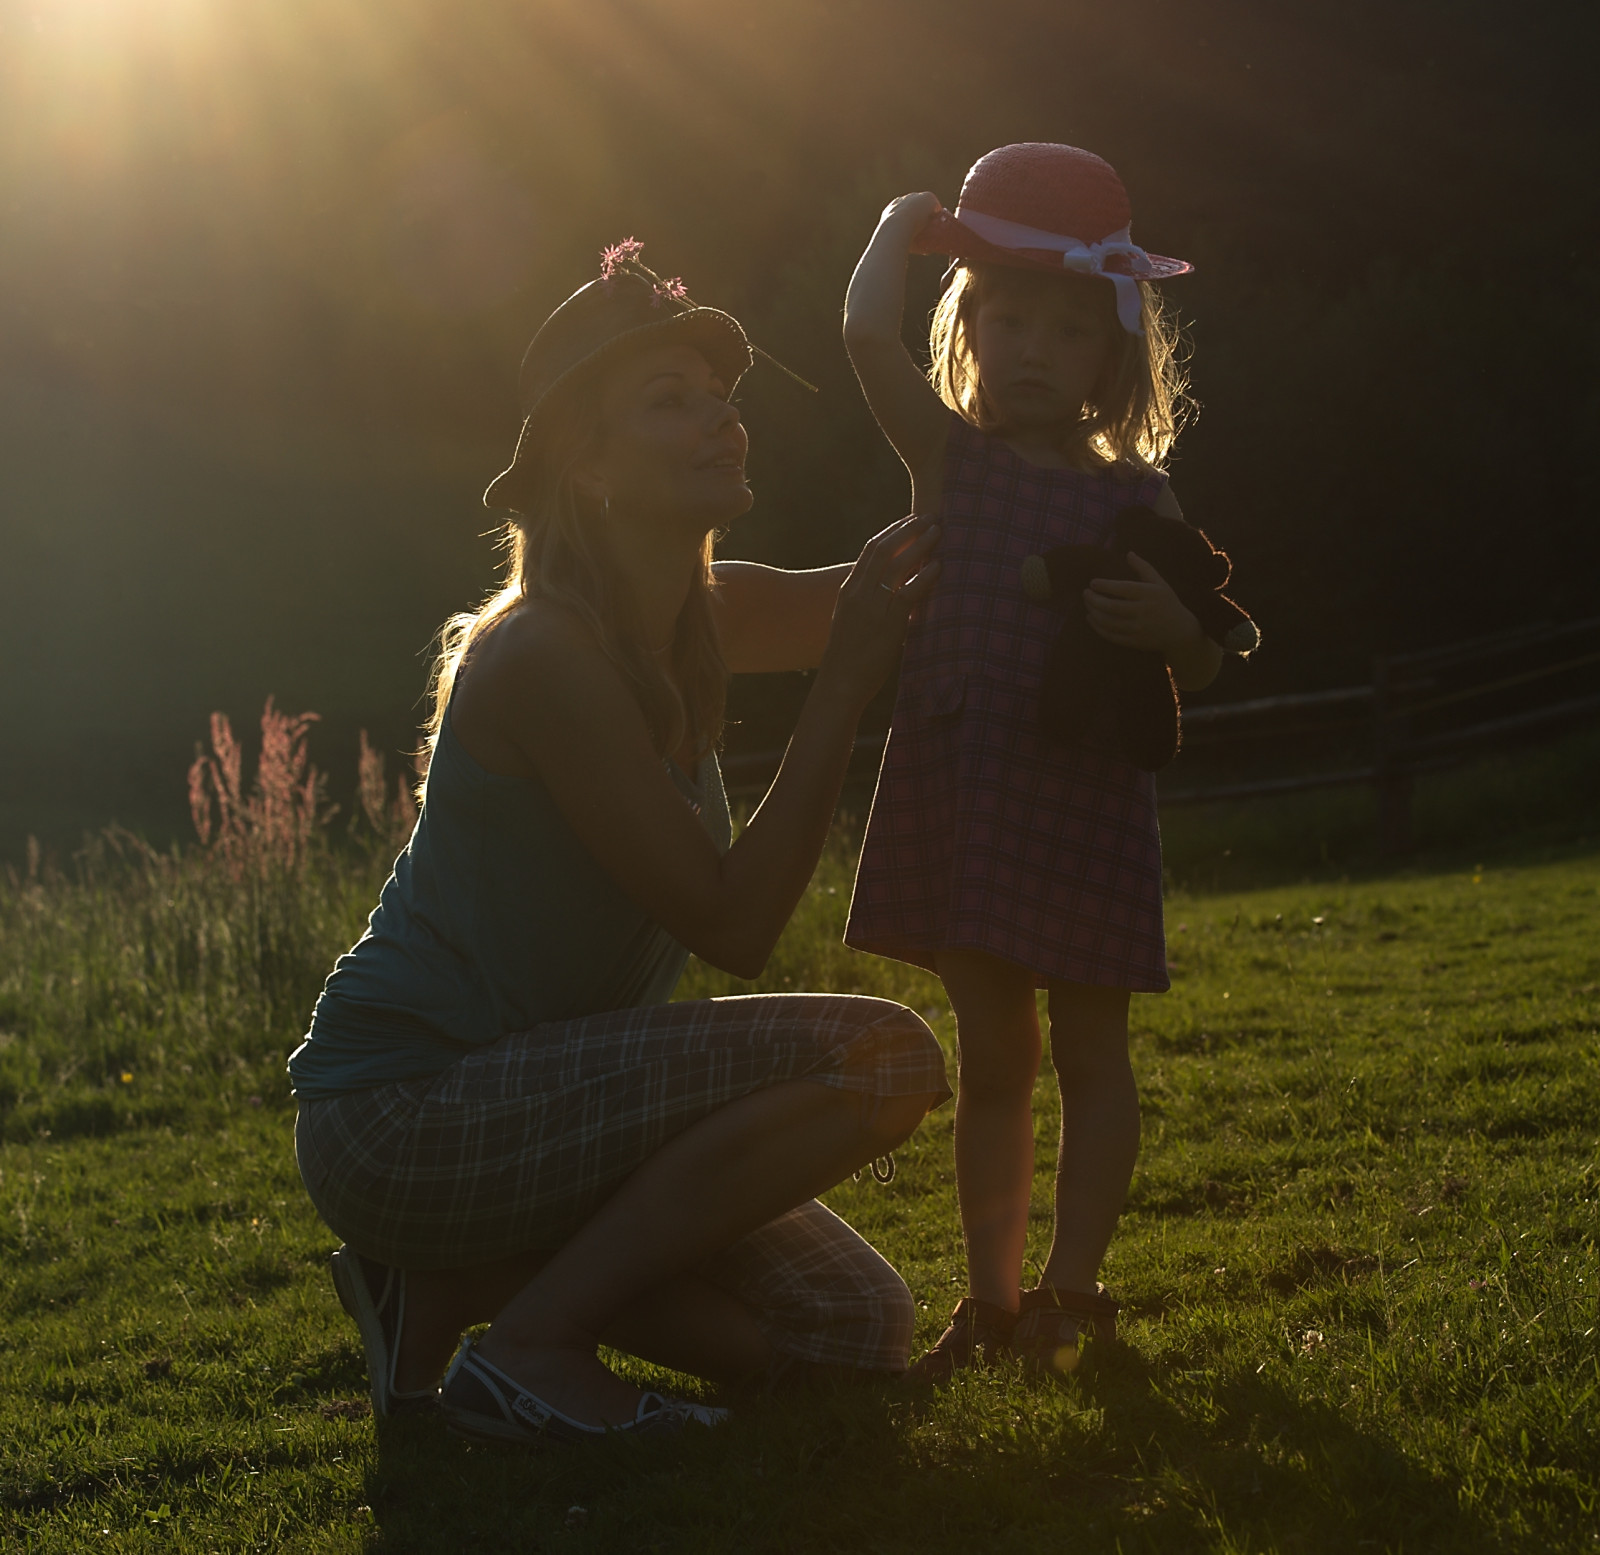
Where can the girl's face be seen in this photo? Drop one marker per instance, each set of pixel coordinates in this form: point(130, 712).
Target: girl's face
point(1041, 341)
point(673, 447)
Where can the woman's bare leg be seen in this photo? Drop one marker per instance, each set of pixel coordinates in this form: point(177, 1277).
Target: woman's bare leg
point(1099, 1127)
point(733, 1171)
point(690, 1325)
point(687, 1323)
point(998, 1030)
point(442, 1303)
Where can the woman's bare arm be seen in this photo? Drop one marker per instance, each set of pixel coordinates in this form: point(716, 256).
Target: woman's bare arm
point(773, 619)
point(546, 686)
point(912, 416)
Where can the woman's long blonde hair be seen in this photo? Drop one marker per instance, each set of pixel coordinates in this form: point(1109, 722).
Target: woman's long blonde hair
point(1134, 412)
point(554, 550)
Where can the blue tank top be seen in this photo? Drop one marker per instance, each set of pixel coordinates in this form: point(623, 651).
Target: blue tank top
point(494, 920)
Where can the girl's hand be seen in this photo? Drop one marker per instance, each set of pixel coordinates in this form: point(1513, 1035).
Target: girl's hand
point(912, 415)
point(891, 577)
point(1145, 615)
point(912, 211)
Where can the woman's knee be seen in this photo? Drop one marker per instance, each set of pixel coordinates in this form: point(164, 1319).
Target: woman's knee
point(828, 1296)
point(912, 1049)
point(876, 1318)
point(897, 1322)
point(896, 1025)
point(892, 1120)
point(905, 1042)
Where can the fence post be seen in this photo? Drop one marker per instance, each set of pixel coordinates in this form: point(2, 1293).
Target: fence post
point(1393, 781)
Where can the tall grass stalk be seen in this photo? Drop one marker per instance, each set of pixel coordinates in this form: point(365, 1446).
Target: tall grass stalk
point(130, 975)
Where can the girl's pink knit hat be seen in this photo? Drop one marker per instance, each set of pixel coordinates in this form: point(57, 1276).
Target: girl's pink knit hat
point(1038, 206)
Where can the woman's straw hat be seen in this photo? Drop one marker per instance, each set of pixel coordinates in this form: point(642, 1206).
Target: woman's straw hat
point(628, 306)
point(1039, 206)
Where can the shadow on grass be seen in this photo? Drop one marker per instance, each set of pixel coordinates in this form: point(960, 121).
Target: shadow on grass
point(1271, 1470)
point(1113, 1461)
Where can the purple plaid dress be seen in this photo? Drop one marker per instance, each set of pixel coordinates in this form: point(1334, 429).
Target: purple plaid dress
point(981, 837)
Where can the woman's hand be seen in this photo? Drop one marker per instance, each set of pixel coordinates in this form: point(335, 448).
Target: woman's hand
point(892, 576)
point(541, 685)
point(1148, 616)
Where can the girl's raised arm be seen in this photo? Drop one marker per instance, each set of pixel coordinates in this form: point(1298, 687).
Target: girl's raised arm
point(911, 414)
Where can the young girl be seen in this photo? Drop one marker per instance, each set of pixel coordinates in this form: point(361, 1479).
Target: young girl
point(997, 860)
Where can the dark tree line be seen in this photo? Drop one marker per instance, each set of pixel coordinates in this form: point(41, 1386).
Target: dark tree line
point(284, 262)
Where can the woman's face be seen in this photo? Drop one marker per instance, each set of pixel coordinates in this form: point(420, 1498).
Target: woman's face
point(1040, 342)
point(672, 447)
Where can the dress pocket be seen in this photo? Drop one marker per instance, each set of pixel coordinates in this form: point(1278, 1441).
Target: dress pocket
point(940, 696)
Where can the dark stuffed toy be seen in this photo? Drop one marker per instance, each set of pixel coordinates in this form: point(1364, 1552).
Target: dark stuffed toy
point(1123, 693)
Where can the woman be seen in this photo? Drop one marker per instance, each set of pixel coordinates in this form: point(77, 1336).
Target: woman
point(499, 1111)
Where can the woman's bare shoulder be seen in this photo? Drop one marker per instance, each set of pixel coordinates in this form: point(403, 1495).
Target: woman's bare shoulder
point(536, 670)
point(535, 639)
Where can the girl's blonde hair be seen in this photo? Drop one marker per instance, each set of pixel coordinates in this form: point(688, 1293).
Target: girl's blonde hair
point(554, 550)
point(1136, 409)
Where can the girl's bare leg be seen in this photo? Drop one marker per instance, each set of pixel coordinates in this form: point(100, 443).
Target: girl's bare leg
point(1099, 1127)
point(998, 1029)
point(731, 1172)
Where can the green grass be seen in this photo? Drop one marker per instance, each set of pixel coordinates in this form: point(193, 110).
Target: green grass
point(1359, 1261)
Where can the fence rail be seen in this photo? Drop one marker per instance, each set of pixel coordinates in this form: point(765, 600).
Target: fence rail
point(1407, 716)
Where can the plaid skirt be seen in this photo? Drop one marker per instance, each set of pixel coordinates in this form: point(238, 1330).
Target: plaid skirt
point(518, 1144)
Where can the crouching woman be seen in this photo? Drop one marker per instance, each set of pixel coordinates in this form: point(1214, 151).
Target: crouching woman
point(500, 1112)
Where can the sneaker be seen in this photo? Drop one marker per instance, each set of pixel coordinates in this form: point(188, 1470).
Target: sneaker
point(375, 1296)
point(485, 1404)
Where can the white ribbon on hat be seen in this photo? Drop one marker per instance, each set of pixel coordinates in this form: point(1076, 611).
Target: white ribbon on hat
point(1076, 255)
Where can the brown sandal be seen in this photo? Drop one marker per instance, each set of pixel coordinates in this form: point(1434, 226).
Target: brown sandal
point(979, 1334)
point(1051, 1324)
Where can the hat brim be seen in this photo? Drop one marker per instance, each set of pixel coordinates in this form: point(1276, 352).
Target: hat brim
point(718, 336)
point(944, 234)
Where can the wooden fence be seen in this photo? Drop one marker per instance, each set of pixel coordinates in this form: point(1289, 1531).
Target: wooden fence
point(1421, 712)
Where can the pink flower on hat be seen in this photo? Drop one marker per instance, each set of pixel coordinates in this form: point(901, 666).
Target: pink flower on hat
point(618, 256)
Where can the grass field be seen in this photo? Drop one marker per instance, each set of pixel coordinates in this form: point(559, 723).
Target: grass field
point(1359, 1263)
